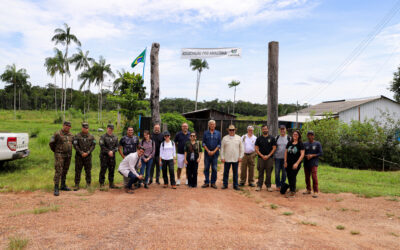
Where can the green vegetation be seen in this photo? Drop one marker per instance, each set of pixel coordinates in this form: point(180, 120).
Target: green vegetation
point(287, 213)
point(340, 227)
point(39, 210)
point(174, 122)
point(309, 223)
point(17, 243)
point(274, 206)
point(354, 232)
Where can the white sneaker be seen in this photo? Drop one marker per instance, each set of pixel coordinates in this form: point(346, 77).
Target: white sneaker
point(178, 182)
point(187, 182)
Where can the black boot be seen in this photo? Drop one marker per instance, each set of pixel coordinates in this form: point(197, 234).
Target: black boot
point(56, 191)
point(112, 186)
point(76, 188)
point(64, 187)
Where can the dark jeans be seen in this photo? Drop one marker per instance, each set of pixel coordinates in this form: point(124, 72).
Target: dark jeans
point(146, 168)
point(279, 166)
point(106, 163)
point(156, 165)
point(213, 161)
point(311, 171)
point(292, 176)
point(227, 167)
point(168, 166)
point(132, 179)
point(191, 171)
point(267, 167)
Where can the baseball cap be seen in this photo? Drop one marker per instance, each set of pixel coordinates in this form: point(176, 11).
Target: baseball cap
point(85, 125)
point(110, 126)
point(282, 126)
point(67, 123)
point(310, 132)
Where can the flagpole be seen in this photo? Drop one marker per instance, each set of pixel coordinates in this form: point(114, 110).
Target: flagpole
point(144, 63)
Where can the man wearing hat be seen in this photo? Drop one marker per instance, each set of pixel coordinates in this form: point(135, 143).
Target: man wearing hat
point(248, 160)
point(84, 144)
point(108, 147)
point(313, 150)
point(61, 145)
point(231, 154)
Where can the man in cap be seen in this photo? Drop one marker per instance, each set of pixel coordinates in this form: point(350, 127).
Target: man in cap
point(108, 147)
point(61, 145)
point(313, 150)
point(84, 144)
point(231, 154)
point(247, 165)
point(281, 141)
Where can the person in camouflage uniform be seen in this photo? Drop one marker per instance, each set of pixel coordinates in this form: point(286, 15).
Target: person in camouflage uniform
point(61, 145)
point(84, 144)
point(108, 147)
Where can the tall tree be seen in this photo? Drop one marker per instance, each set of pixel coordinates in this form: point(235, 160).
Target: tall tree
point(65, 37)
point(53, 66)
point(82, 61)
point(155, 84)
point(234, 84)
point(198, 65)
point(100, 70)
point(15, 78)
point(395, 85)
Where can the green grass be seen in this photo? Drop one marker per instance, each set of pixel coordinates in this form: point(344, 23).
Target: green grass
point(287, 213)
point(39, 210)
point(354, 232)
point(364, 183)
point(274, 206)
point(340, 227)
point(344, 209)
point(37, 171)
point(16, 243)
point(309, 223)
point(394, 234)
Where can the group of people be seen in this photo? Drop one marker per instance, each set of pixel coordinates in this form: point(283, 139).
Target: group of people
point(157, 151)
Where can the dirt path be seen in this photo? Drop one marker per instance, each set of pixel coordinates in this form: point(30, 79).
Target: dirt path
point(185, 218)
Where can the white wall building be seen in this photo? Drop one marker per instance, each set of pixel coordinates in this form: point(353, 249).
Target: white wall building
point(348, 110)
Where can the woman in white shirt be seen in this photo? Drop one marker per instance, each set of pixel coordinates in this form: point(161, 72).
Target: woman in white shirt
point(167, 154)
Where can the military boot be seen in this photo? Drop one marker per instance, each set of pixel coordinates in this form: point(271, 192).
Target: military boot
point(56, 191)
point(64, 187)
point(76, 188)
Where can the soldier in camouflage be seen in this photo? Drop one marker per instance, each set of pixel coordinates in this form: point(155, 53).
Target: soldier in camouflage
point(61, 145)
point(84, 144)
point(108, 147)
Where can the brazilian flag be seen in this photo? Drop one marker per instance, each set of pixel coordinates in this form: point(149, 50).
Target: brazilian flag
point(139, 59)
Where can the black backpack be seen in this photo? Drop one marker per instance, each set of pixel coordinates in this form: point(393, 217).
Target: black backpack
point(287, 136)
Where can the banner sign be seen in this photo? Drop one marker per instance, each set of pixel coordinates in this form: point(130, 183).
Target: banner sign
point(209, 53)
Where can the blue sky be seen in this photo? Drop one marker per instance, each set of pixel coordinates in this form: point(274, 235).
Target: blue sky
point(315, 36)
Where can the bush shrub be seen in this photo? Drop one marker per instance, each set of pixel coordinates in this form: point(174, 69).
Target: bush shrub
point(174, 122)
point(359, 145)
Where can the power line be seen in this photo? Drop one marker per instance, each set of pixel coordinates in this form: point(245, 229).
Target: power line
point(355, 52)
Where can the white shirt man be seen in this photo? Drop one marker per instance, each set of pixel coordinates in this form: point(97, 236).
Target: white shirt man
point(247, 166)
point(128, 168)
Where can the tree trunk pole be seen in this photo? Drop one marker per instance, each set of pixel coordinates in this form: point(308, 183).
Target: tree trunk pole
point(155, 84)
point(197, 90)
point(15, 100)
point(55, 92)
point(272, 107)
point(234, 100)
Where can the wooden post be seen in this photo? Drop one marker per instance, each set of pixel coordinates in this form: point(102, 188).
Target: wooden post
point(272, 106)
point(155, 84)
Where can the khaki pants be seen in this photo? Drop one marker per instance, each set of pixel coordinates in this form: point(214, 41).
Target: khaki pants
point(267, 167)
point(247, 166)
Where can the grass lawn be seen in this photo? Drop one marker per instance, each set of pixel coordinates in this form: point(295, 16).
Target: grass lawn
point(36, 171)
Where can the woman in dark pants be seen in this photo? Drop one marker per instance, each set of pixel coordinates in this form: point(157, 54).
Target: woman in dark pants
point(294, 155)
point(192, 158)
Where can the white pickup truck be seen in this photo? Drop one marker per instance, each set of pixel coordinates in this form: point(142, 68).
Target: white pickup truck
point(13, 146)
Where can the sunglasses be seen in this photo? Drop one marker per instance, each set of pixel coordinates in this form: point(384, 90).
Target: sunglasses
point(231, 130)
point(166, 135)
point(192, 135)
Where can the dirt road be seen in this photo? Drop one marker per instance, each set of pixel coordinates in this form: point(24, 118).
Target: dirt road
point(185, 218)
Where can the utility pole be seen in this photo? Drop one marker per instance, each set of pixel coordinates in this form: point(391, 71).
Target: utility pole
point(272, 106)
point(297, 114)
point(155, 84)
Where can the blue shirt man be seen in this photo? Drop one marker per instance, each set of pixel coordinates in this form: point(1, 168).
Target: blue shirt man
point(313, 150)
point(211, 145)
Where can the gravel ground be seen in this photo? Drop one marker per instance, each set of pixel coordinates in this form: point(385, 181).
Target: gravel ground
point(185, 218)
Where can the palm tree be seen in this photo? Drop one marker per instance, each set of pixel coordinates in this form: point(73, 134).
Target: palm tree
point(15, 77)
point(53, 66)
point(65, 37)
point(87, 78)
point(199, 65)
point(118, 81)
point(82, 61)
point(234, 84)
point(100, 70)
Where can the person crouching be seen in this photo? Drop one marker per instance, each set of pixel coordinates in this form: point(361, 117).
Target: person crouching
point(128, 168)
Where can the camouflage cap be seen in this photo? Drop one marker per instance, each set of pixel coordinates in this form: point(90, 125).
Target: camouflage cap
point(67, 123)
point(110, 126)
point(85, 125)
